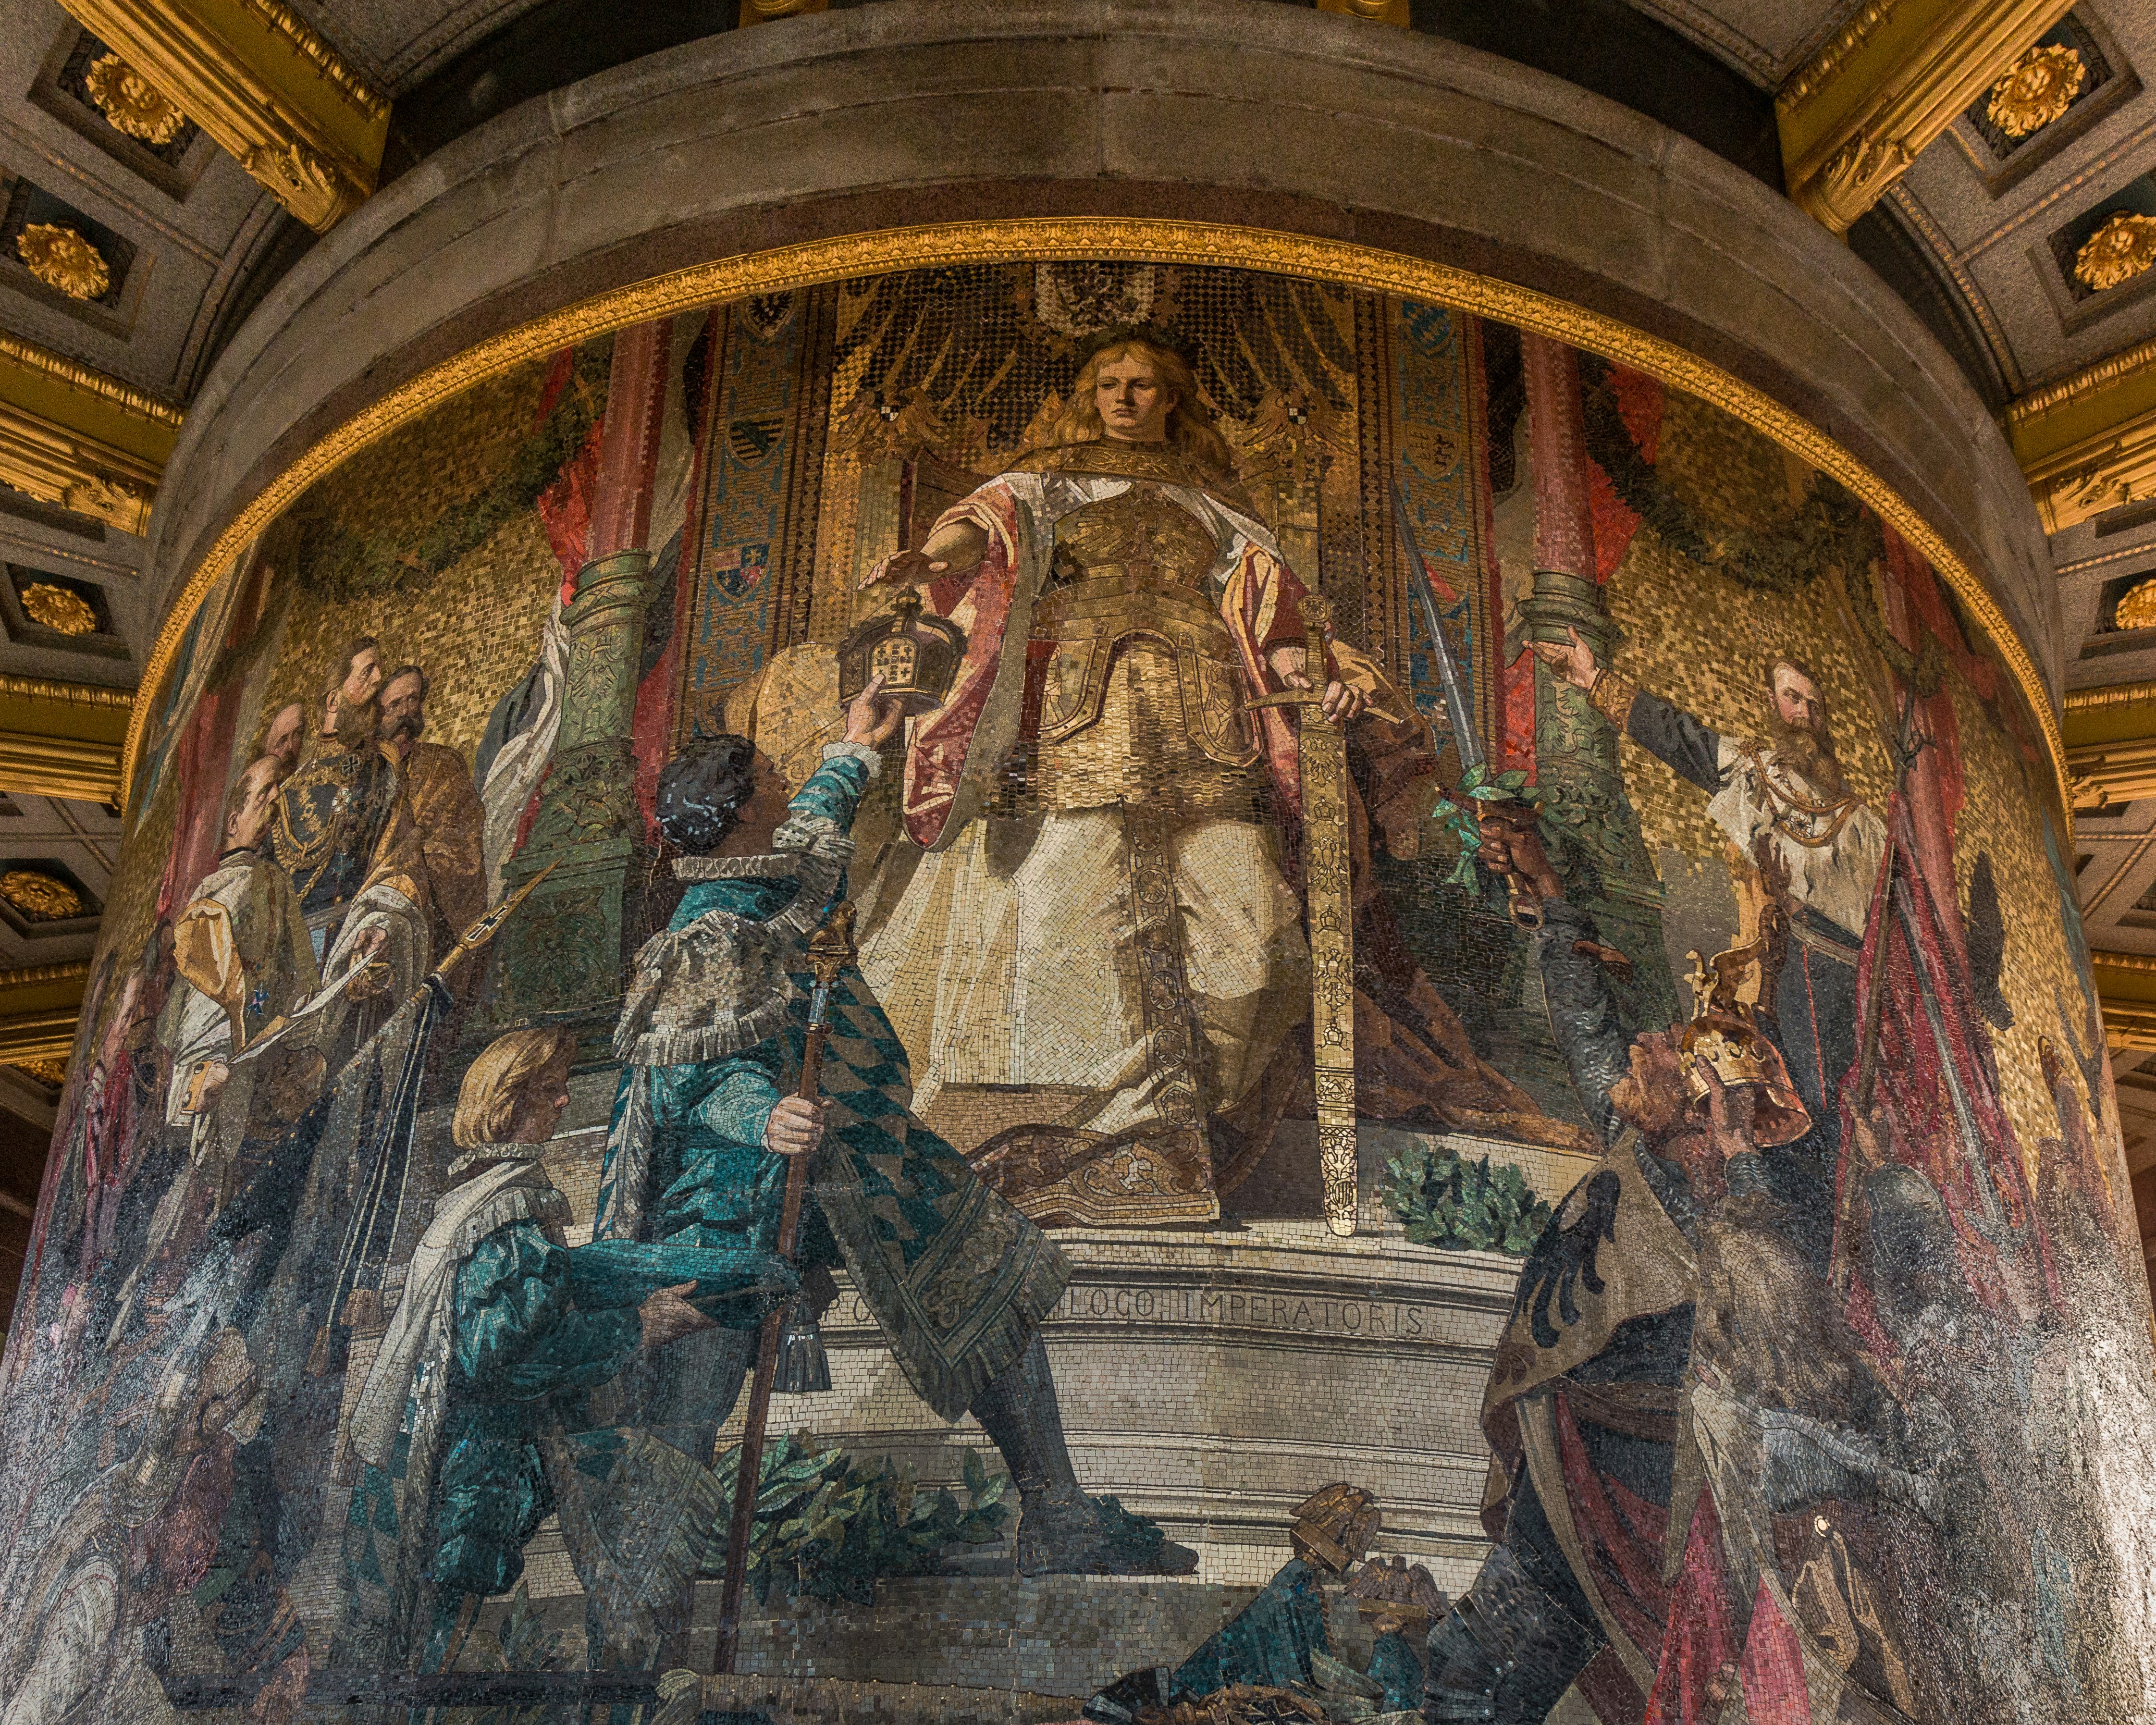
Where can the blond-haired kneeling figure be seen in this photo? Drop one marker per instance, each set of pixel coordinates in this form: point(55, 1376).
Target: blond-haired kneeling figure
point(501, 1330)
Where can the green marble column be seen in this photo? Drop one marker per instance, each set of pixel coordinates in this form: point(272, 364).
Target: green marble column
point(560, 959)
point(1576, 757)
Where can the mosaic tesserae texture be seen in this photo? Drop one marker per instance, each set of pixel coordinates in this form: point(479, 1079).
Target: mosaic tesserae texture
point(1245, 1001)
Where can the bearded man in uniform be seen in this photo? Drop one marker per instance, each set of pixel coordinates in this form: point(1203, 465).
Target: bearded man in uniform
point(1805, 844)
point(1103, 945)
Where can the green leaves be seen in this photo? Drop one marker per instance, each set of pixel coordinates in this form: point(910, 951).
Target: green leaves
point(827, 1527)
point(1510, 786)
point(1445, 1200)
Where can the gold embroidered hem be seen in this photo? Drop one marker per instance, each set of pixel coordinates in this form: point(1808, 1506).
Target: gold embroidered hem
point(1065, 1177)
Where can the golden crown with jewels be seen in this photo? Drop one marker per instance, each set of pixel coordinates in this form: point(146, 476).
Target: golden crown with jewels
point(916, 656)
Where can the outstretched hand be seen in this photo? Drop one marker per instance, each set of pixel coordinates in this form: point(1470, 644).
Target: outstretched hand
point(1575, 664)
point(873, 715)
point(913, 569)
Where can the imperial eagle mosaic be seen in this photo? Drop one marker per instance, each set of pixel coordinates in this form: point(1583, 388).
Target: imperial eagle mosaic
point(1067, 990)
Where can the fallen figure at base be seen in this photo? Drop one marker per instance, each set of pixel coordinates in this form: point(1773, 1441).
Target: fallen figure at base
point(1276, 1659)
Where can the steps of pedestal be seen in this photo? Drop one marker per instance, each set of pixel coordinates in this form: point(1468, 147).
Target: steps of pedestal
point(1052, 1635)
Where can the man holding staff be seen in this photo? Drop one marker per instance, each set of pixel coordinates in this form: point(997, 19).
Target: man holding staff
point(706, 1118)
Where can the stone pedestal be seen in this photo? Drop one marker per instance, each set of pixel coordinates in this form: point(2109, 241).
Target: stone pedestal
point(1214, 1378)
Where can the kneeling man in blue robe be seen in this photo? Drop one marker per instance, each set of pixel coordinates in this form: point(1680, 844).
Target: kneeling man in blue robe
point(712, 1032)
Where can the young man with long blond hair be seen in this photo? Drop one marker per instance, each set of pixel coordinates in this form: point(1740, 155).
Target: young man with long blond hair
point(1099, 965)
point(487, 1355)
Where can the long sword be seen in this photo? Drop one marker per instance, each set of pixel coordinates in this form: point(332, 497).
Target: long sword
point(1459, 710)
point(1322, 760)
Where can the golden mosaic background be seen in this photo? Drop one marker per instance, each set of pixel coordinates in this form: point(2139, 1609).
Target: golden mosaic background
point(1998, 815)
point(1705, 642)
point(1693, 636)
point(475, 625)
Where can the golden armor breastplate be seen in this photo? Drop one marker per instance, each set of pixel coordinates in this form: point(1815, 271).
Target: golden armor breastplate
point(1143, 687)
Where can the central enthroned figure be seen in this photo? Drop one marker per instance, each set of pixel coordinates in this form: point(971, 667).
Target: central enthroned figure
point(1101, 955)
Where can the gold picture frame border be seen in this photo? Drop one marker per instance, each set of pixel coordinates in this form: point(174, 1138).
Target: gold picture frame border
point(1131, 238)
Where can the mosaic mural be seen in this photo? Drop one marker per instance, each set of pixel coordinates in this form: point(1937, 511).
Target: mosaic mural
point(1099, 990)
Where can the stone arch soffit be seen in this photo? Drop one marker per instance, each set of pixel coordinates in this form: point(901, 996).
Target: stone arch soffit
point(1133, 240)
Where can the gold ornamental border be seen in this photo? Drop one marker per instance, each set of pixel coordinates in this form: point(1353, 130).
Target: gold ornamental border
point(1135, 239)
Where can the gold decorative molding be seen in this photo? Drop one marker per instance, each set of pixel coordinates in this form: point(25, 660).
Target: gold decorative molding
point(255, 76)
point(2091, 380)
point(85, 442)
point(27, 356)
point(2123, 772)
point(2090, 700)
point(2126, 1023)
point(39, 896)
point(2122, 248)
point(2137, 607)
point(55, 466)
point(39, 1005)
point(1135, 239)
point(67, 767)
point(62, 739)
point(2126, 988)
point(2111, 744)
point(72, 694)
point(2039, 88)
point(56, 608)
point(1808, 80)
point(1891, 79)
point(1377, 12)
point(2086, 443)
point(34, 976)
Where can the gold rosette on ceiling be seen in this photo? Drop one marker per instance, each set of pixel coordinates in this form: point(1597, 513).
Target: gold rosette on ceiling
point(2042, 87)
point(38, 897)
point(2137, 609)
point(61, 258)
point(132, 102)
point(2118, 251)
point(58, 608)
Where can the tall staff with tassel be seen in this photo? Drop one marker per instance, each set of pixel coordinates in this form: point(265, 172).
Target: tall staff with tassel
point(830, 951)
